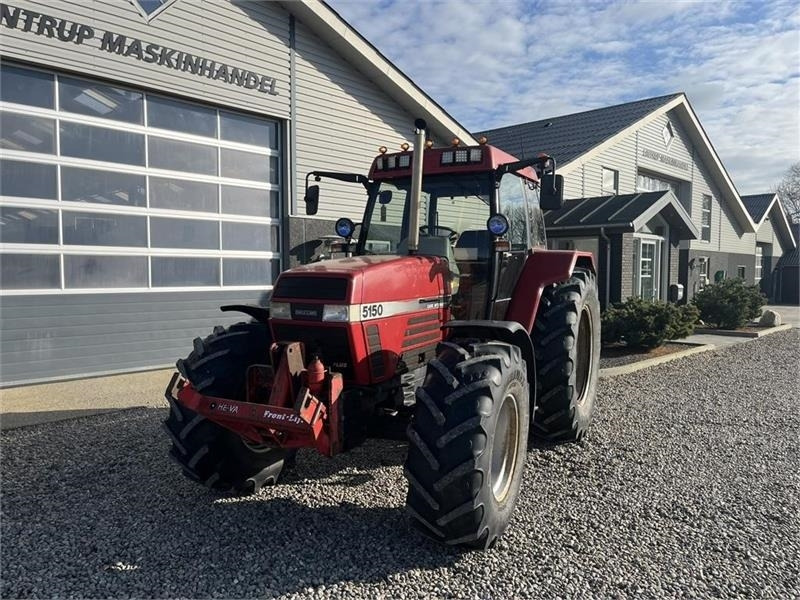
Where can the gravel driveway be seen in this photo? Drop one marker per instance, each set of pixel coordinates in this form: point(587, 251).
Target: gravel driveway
point(688, 486)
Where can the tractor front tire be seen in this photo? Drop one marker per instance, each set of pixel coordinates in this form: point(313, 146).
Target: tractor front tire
point(468, 442)
point(208, 453)
point(566, 342)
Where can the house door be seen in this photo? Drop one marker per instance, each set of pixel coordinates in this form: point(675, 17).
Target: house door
point(648, 269)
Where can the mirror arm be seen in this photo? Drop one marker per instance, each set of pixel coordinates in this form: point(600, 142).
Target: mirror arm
point(540, 161)
point(346, 177)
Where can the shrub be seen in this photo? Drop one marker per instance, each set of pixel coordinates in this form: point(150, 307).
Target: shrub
point(684, 321)
point(645, 324)
point(729, 304)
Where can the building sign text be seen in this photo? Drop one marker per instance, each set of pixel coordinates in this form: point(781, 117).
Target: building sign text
point(134, 49)
point(663, 158)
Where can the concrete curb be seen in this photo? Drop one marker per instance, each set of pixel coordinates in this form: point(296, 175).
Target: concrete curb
point(652, 362)
point(743, 334)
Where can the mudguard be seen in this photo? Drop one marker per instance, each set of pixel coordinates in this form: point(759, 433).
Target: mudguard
point(259, 313)
point(509, 332)
point(543, 268)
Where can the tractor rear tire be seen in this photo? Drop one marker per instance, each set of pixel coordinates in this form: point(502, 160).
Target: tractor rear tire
point(207, 452)
point(468, 442)
point(566, 342)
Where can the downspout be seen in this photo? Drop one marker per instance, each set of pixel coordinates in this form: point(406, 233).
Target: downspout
point(607, 241)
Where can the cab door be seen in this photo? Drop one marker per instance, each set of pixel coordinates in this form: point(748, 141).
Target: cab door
point(512, 201)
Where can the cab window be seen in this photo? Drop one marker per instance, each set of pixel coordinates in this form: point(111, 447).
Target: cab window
point(513, 206)
point(535, 217)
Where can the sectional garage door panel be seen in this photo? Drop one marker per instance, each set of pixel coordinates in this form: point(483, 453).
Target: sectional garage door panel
point(131, 331)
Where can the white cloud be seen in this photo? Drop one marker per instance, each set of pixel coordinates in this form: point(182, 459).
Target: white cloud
point(497, 63)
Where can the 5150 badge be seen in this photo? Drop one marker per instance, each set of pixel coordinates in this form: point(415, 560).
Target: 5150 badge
point(371, 311)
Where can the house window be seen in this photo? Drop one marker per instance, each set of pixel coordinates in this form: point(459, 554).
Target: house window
point(705, 219)
point(610, 181)
point(702, 272)
point(740, 272)
point(651, 183)
point(759, 263)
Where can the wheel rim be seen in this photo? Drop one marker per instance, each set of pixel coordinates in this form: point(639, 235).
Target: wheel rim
point(504, 448)
point(583, 355)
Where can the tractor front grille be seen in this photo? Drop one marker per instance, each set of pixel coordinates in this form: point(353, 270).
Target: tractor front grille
point(311, 288)
point(331, 343)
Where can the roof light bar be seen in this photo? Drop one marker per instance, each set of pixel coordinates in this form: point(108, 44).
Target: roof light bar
point(462, 156)
point(393, 161)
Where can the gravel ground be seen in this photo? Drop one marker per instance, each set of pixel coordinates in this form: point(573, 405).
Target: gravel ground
point(687, 487)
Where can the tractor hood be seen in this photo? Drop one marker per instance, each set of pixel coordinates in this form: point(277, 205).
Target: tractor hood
point(365, 279)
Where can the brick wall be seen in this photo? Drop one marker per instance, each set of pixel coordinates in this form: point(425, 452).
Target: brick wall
point(627, 265)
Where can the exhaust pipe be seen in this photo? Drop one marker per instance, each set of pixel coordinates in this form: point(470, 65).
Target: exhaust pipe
point(416, 185)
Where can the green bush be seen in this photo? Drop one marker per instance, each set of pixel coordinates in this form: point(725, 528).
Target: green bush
point(729, 304)
point(645, 324)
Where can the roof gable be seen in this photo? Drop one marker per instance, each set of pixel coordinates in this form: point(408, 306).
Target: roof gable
point(617, 122)
point(758, 205)
point(626, 212)
point(569, 136)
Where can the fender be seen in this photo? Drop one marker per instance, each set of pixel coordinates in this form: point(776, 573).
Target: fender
point(259, 313)
point(504, 331)
point(543, 268)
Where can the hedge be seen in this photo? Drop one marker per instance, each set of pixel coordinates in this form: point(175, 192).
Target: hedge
point(647, 324)
point(729, 304)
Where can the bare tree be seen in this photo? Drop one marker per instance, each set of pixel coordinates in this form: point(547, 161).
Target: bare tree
point(788, 191)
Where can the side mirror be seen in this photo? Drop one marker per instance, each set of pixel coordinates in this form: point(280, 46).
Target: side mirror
point(551, 191)
point(312, 199)
point(385, 197)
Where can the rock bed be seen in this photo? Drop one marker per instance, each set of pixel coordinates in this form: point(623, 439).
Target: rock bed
point(688, 486)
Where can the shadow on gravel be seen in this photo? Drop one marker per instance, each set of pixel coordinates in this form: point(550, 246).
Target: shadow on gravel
point(312, 546)
point(94, 507)
point(13, 420)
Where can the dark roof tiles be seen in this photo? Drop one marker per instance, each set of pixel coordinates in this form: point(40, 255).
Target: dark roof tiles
point(567, 137)
point(757, 205)
point(613, 211)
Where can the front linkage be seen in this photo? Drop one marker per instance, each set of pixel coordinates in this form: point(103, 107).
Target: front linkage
point(288, 406)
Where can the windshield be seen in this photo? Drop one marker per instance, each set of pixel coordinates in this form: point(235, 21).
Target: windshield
point(449, 206)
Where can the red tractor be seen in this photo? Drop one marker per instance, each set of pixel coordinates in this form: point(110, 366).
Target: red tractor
point(446, 323)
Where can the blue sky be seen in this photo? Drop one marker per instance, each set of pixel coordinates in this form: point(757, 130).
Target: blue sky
point(503, 62)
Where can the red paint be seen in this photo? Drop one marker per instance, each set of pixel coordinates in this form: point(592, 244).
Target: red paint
point(432, 163)
point(380, 280)
point(305, 420)
point(315, 376)
point(543, 268)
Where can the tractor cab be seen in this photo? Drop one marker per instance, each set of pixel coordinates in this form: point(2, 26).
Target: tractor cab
point(478, 207)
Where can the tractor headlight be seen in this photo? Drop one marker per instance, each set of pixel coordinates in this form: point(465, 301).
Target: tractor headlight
point(336, 312)
point(280, 310)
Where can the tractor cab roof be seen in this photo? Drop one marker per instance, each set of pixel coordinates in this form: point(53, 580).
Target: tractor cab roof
point(437, 161)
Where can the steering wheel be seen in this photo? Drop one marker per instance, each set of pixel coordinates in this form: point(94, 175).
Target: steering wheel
point(440, 231)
